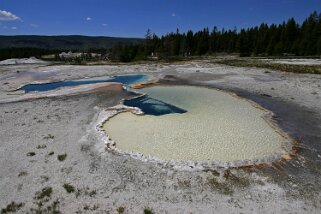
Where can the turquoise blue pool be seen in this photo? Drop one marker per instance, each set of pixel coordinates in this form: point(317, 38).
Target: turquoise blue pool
point(151, 106)
point(124, 79)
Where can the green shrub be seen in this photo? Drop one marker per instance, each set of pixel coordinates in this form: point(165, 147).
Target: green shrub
point(120, 210)
point(92, 193)
point(69, 188)
point(62, 157)
point(148, 211)
point(12, 207)
point(49, 136)
point(23, 173)
point(43, 146)
point(44, 193)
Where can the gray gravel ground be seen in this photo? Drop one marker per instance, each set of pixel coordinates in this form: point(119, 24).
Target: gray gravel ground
point(35, 134)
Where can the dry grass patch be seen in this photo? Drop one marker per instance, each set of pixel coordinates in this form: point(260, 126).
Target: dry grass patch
point(311, 69)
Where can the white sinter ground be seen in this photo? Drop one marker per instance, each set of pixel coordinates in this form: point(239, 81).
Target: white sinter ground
point(217, 126)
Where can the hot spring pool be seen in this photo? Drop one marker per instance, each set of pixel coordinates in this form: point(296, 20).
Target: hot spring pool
point(213, 125)
point(124, 79)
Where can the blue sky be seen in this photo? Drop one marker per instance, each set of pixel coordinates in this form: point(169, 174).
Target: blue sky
point(131, 18)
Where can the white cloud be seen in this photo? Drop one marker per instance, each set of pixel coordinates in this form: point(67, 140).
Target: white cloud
point(88, 18)
point(14, 28)
point(173, 14)
point(7, 16)
point(34, 25)
point(104, 25)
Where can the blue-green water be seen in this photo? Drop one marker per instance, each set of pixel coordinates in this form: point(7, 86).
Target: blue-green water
point(124, 79)
point(151, 106)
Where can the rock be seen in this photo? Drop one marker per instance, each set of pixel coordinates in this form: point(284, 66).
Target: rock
point(248, 197)
point(266, 95)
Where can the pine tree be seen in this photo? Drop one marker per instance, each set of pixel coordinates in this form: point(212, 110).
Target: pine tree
point(148, 42)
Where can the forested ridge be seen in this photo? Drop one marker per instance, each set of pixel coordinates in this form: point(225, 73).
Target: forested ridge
point(32, 45)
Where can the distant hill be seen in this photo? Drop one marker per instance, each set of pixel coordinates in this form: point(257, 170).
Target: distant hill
point(64, 42)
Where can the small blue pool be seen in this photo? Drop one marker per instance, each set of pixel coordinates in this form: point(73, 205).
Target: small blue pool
point(151, 106)
point(124, 79)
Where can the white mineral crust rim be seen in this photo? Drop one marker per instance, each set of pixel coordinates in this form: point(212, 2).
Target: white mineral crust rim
point(110, 145)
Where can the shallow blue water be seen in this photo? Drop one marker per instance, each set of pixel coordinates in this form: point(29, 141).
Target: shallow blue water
point(124, 79)
point(152, 106)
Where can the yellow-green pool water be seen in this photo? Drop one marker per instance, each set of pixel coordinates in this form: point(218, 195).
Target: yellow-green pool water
point(216, 126)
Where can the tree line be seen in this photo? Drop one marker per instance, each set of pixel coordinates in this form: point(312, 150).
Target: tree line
point(25, 52)
point(288, 38)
